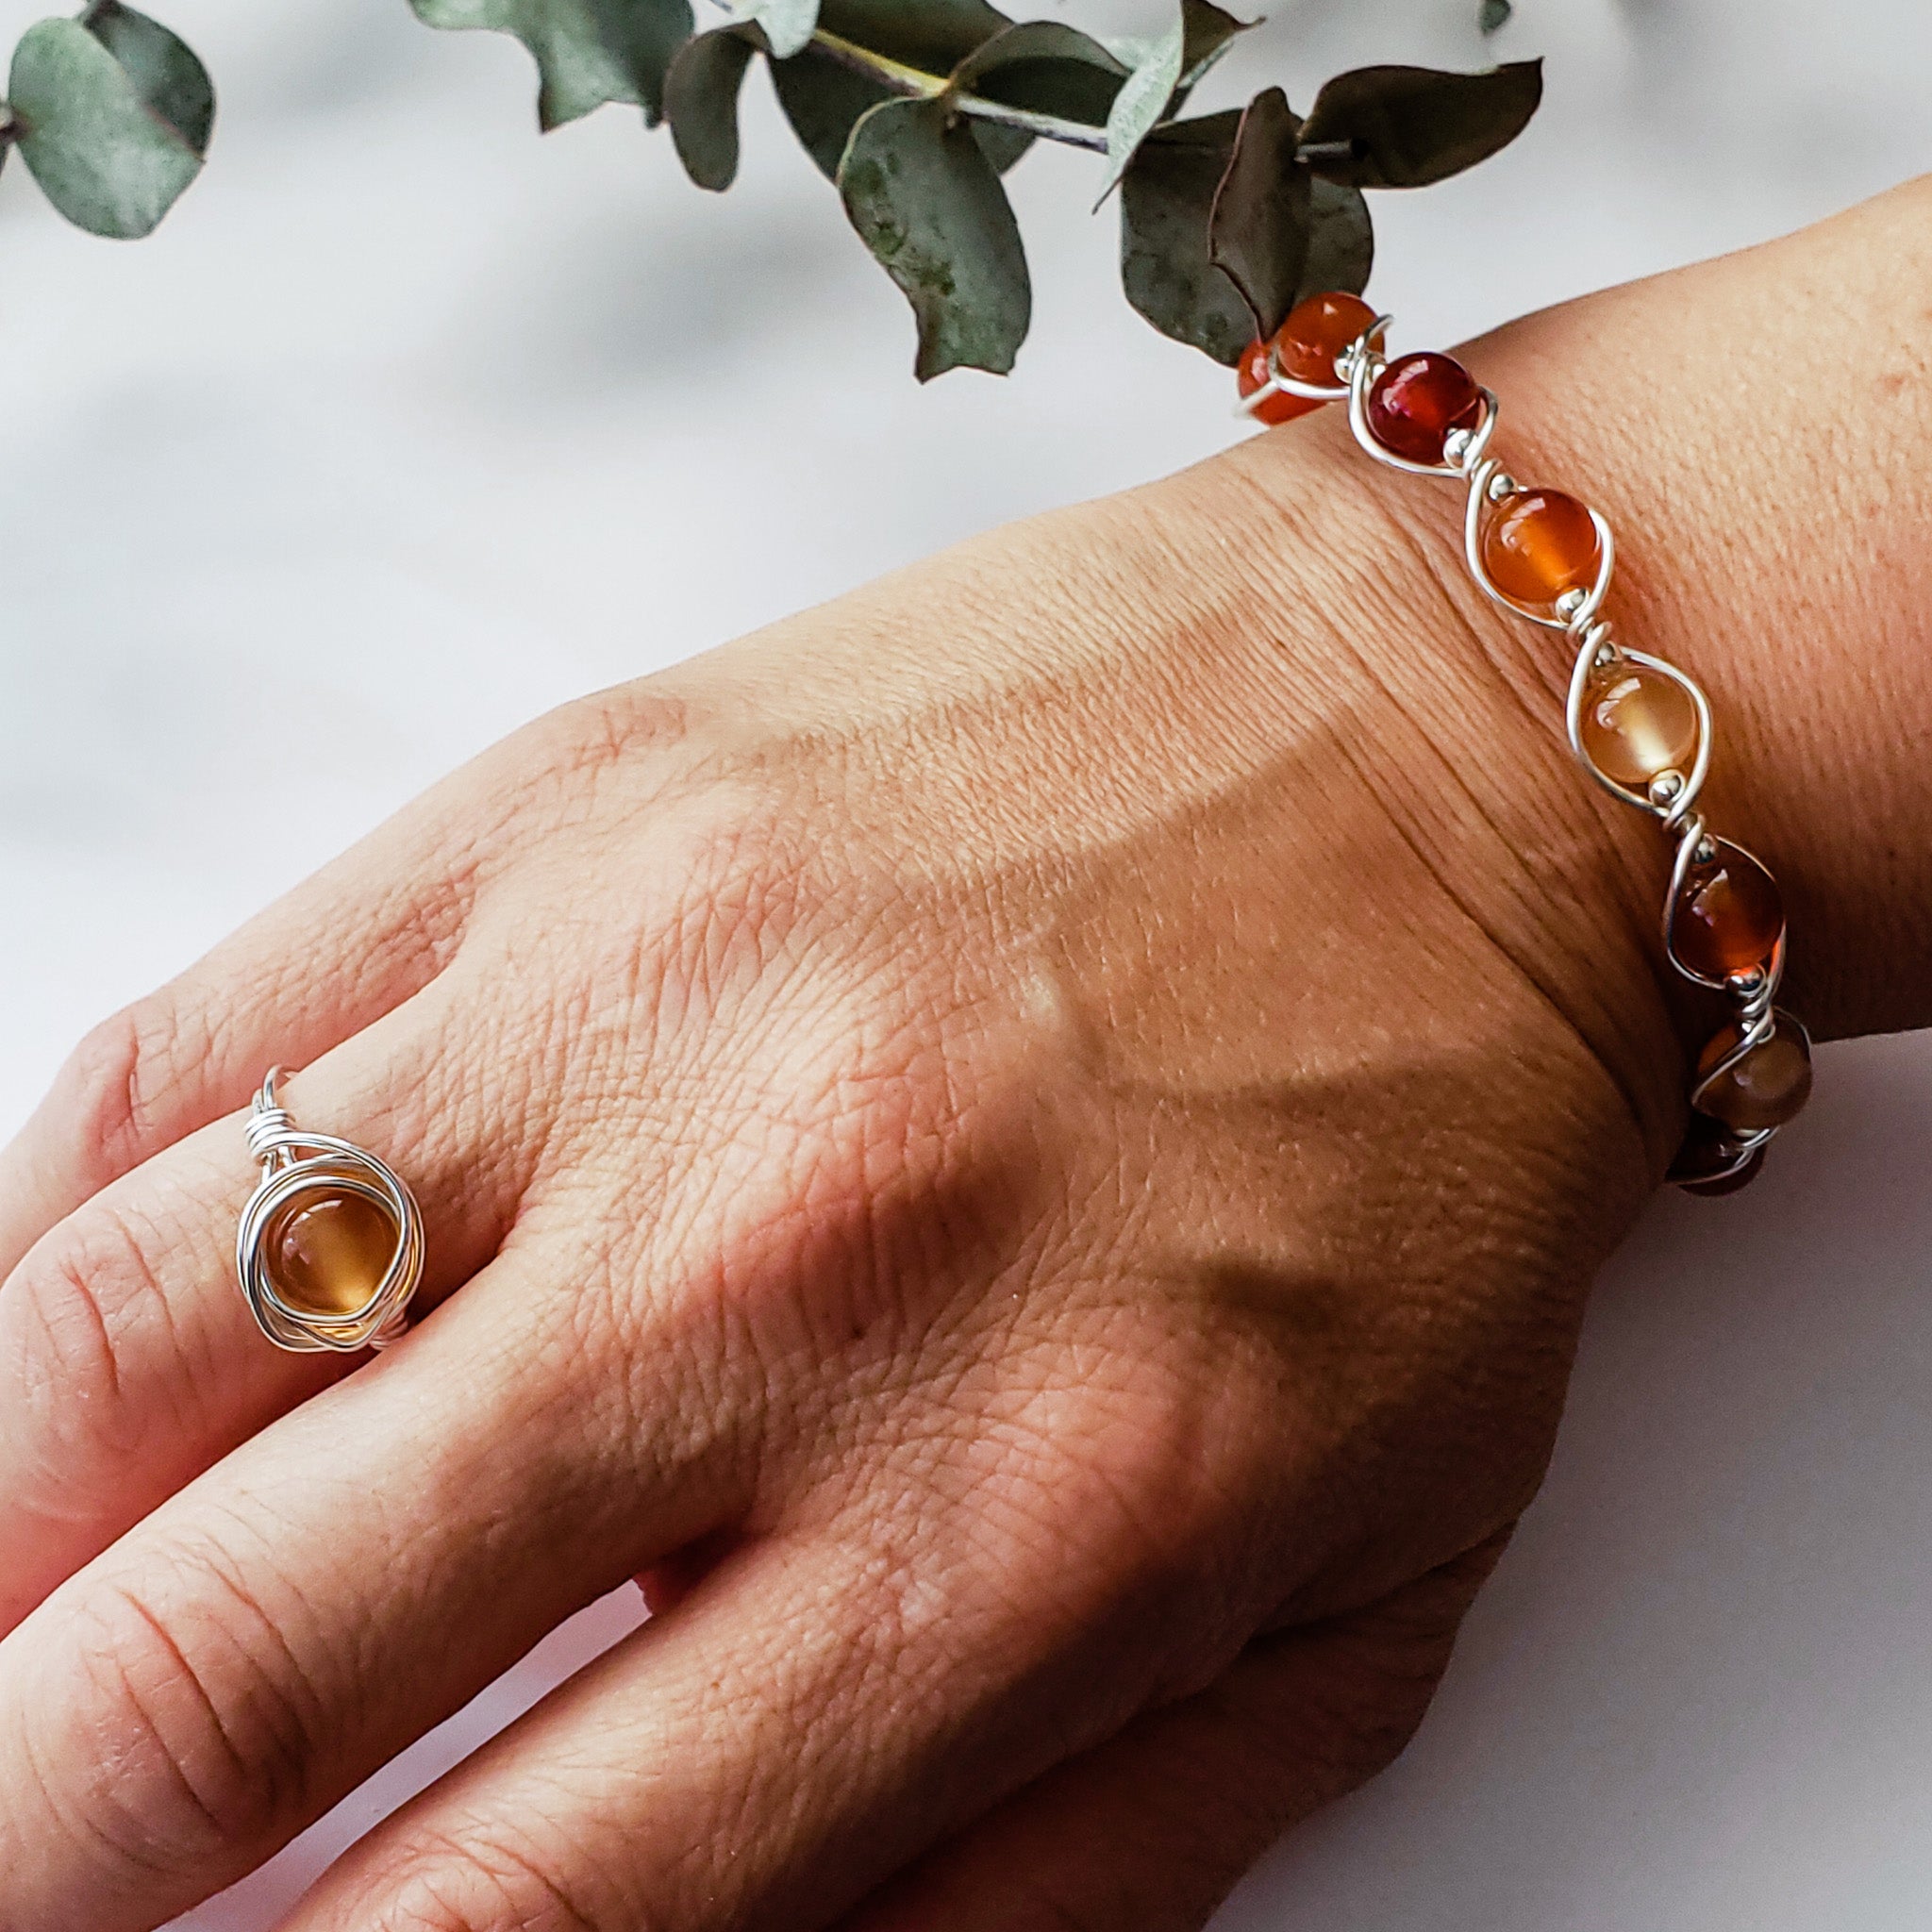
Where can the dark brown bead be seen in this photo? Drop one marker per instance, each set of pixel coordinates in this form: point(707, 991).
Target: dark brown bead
point(1709, 1148)
point(1418, 400)
point(1730, 1183)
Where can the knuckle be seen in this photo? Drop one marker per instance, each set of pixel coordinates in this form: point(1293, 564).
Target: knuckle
point(455, 1888)
point(87, 1300)
point(213, 1735)
point(111, 1099)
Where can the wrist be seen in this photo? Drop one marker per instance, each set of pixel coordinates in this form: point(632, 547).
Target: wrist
point(1460, 734)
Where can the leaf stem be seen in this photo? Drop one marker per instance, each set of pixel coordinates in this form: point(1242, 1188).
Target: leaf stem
point(916, 84)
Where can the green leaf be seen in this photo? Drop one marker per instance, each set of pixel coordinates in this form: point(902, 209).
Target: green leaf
point(700, 102)
point(1167, 196)
point(1495, 14)
point(824, 100)
point(98, 134)
point(1341, 241)
point(587, 52)
point(1046, 67)
point(1141, 103)
point(162, 66)
point(1207, 33)
point(1257, 229)
point(787, 25)
point(932, 36)
point(1407, 127)
point(1165, 69)
point(928, 204)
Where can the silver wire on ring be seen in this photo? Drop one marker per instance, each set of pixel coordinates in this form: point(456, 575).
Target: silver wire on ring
point(295, 1162)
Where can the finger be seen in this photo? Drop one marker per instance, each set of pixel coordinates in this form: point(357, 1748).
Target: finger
point(1154, 1828)
point(249, 1653)
point(333, 955)
point(129, 1361)
point(825, 1705)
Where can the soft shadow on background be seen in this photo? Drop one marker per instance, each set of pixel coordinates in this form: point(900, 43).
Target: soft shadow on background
point(408, 424)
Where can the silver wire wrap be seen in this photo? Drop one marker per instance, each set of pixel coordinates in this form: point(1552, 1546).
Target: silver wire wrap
point(1672, 797)
point(295, 1162)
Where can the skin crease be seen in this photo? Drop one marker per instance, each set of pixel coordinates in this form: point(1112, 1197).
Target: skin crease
point(1028, 1145)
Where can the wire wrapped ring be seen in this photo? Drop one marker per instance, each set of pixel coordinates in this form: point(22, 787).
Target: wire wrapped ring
point(310, 1247)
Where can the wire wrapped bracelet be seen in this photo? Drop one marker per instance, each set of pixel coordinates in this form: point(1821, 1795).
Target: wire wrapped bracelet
point(1638, 726)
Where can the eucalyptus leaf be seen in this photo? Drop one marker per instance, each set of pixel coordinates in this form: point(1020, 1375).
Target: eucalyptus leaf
point(96, 134)
point(1207, 33)
point(823, 99)
point(928, 204)
point(1409, 127)
point(1258, 230)
point(787, 25)
point(1141, 102)
point(1341, 241)
point(930, 36)
point(1167, 198)
point(700, 102)
point(587, 52)
point(1047, 68)
point(165, 69)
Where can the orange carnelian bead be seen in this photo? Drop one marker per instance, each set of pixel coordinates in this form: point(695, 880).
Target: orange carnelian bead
point(1252, 373)
point(1316, 332)
point(1418, 400)
point(1637, 722)
point(1728, 916)
point(1767, 1087)
point(1539, 543)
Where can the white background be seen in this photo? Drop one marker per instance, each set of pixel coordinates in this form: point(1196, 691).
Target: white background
point(409, 424)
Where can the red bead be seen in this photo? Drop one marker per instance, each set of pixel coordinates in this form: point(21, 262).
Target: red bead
point(1316, 332)
point(1418, 400)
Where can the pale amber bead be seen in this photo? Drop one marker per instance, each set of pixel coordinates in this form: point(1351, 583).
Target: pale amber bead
point(1767, 1087)
point(1637, 722)
point(328, 1250)
point(1539, 543)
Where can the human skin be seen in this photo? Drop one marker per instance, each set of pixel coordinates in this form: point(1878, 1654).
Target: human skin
point(1027, 1146)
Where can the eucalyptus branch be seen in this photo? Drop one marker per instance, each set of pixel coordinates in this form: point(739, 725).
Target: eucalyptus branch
point(914, 110)
point(914, 83)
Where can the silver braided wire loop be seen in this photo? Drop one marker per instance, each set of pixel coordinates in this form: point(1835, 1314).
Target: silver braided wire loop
point(294, 1163)
point(1672, 796)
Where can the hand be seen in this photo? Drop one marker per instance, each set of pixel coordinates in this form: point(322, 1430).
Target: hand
point(1028, 1146)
